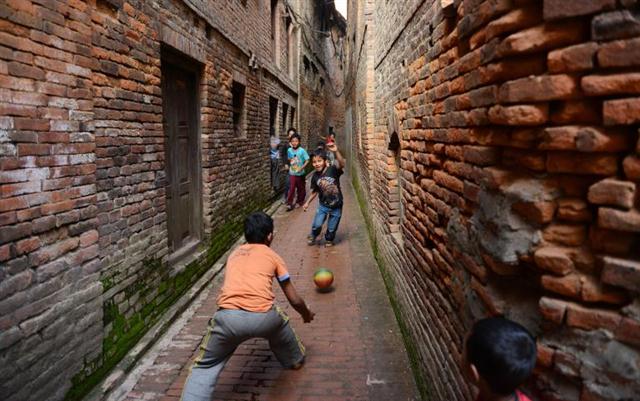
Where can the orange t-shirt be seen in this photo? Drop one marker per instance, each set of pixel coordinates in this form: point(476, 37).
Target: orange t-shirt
point(249, 276)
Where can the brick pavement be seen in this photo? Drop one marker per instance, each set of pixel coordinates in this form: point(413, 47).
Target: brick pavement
point(354, 348)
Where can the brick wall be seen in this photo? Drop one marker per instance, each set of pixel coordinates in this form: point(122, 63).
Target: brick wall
point(83, 218)
point(320, 74)
point(360, 86)
point(514, 186)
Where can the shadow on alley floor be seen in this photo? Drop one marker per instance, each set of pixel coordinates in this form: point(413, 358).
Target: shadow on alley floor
point(354, 347)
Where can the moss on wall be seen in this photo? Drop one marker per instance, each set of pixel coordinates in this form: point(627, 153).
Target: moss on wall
point(157, 288)
point(407, 338)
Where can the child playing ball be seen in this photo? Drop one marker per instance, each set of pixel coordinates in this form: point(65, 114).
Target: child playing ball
point(325, 182)
point(246, 310)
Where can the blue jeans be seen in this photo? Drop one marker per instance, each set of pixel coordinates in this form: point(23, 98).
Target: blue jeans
point(332, 225)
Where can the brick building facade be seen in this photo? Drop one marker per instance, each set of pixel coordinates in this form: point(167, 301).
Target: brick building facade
point(134, 137)
point(496, 146)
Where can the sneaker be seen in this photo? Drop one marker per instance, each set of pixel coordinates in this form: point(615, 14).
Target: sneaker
point(290, 208)
point(311, 240)
point(328, 244)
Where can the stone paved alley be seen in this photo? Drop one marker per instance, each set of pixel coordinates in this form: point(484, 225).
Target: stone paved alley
point(354, 347)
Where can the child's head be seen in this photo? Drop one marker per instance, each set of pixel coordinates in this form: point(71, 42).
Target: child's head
point(320, 145)
point(274, 142)
point(319, 159)
point(501, 354)
point(291, 131)
point(294, 141)
point(258, 228)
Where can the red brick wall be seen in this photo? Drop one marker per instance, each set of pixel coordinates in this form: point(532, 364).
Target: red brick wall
point(518, 125)
point(82, 147)
point(321, 81)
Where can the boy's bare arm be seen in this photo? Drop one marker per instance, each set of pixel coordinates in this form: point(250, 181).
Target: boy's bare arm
point(308, 202)
point(341, 160)
point(296, 301)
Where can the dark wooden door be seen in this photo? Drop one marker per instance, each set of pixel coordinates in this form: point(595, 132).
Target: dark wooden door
point(182, 155)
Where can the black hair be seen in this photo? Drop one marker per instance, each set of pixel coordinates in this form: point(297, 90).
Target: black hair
point(257, 227)
point(292, 129)
point(296, 135)
point(319, 153)
point(503, 352)
point(320, 145)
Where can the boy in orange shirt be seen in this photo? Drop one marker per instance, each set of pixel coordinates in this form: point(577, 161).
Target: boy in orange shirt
point(246, 310)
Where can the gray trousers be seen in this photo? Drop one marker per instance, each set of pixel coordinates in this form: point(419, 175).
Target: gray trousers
point(229, 328)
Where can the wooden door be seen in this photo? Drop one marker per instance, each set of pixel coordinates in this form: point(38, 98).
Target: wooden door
point(182, 155)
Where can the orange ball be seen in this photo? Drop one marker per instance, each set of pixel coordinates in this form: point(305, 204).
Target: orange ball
point(323, 278)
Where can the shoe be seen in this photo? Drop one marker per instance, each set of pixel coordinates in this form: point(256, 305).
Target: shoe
point(311, 240)
point(290, 208)
point(328, 244)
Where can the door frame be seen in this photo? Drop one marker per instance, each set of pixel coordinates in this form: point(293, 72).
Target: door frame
point(178, 60)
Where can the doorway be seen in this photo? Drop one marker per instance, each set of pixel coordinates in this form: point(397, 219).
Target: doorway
point(182, 154)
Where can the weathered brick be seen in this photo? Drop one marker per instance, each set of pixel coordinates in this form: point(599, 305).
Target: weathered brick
point(535, 89)
point(619, 220)
point(591, 318)
point(538, 213)
point(621, 272)
point(519, 115)
point(554, 259)
point(14, 232)
point(27, 245)
point(565, 234)
point(542, 37)
point(574, 210)
point(621, 53)
point(613, 192)
point(621, 111)
point(568, 285)
point(585, 139)
point(553, 310)
point(573, 58)
point(631, 167)
point(15, 284)
point(619, 84)
point(554, 9)
point(616, 25)
point(597, 164)
point(629, 331)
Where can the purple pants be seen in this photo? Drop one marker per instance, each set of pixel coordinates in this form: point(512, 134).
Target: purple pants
point(296, 183)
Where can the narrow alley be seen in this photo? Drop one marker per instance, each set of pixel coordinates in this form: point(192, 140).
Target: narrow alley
point(354, 347)
point(490, 244)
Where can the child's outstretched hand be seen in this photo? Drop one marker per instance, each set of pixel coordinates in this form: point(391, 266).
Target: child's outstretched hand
point(305, 206)
point(308, 316)
point(332, 146)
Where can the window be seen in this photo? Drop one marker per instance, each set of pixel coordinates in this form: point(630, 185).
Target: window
point(239, 126)
point(289, 46)
point(285, 109)
point(273, 114)
point(292, 122)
